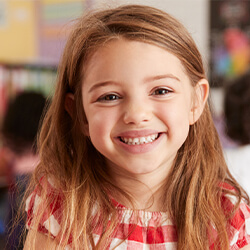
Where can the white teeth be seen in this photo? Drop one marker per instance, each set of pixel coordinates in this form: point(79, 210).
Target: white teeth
point(135, 141)
point(142, 140)
point(139, 140)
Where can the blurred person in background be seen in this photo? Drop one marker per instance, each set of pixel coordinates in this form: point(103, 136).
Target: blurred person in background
point(237, 122)
point(18, 156)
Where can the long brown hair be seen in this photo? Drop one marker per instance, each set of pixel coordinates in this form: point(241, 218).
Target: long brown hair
point(68, 157)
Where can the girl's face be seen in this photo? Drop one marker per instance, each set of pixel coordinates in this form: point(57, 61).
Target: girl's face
point(138, 103)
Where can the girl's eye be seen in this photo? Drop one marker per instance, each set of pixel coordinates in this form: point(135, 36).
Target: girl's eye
point(107, 98)
point(161, 91)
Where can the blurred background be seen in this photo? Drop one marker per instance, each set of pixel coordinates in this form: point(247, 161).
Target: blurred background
point(33, 35)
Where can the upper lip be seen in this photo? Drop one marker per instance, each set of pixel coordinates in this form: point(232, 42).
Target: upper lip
point(138, 133)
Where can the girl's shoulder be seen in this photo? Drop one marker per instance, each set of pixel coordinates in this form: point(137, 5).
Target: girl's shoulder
point(238, 214)
point(44, 207)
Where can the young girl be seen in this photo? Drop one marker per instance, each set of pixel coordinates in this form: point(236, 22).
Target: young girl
point(130, 158)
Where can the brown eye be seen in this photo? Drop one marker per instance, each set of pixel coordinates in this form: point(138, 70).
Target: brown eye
point(161, 91)
point(109, 97)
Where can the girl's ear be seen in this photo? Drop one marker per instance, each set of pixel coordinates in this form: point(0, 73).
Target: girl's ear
point(200, 99)
point(69, 104)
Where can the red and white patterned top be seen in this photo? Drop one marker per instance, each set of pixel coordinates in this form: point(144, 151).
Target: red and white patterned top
point(153, 230)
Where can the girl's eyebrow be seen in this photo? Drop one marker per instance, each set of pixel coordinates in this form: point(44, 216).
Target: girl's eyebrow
point(159, 77)
point(147, 79)
point(101, 84)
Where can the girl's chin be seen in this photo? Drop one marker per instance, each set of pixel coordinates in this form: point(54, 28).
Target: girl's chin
point(133, 169)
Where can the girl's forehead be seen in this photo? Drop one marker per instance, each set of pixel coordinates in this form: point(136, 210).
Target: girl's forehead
point(119, 46)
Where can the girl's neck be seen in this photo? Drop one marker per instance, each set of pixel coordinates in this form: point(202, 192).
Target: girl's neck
point(145, 189)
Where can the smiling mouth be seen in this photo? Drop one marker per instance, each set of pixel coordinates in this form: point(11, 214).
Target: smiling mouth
point(139, 140)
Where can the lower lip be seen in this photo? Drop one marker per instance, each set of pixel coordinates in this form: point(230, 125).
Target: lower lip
point(142, 148)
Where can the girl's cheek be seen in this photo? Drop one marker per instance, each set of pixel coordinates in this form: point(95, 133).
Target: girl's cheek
point(100, 121)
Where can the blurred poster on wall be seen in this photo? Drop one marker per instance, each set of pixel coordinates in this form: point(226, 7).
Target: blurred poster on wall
point(230, 36)
point(55, 18)
point(17, 31)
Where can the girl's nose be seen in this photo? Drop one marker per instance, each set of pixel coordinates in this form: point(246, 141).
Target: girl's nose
point(137, 112)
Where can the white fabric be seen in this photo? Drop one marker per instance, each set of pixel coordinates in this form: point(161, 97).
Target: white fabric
point(238, 160)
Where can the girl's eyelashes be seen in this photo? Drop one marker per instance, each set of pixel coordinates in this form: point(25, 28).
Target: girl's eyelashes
point(161, 91)
point(108, 97)
point(111, 97)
